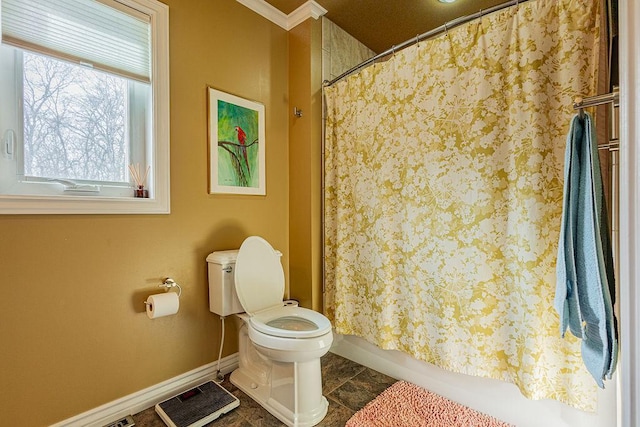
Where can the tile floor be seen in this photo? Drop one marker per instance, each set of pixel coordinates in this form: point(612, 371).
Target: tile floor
point(347, 385)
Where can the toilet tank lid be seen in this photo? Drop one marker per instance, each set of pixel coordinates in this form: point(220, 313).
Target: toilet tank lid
point(227, 257)
point(223, 257)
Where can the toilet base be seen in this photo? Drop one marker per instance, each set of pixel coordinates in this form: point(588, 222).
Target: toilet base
point(264, 395)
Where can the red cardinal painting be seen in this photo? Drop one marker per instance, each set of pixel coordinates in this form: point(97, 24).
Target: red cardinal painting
point(242, 139)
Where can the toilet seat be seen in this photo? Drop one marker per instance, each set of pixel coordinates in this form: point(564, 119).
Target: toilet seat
point(259, 277)
point(259, 282)
point(290, 322)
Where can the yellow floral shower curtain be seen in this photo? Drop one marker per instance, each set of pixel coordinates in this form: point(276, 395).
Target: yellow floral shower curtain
point(443, 196)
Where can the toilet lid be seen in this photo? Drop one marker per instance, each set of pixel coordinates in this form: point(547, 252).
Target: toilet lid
point(259, 277)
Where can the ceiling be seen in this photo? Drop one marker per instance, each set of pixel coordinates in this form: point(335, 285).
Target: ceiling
point(381, 24)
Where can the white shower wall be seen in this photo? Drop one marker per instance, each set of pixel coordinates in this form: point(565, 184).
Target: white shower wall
point(340, 51)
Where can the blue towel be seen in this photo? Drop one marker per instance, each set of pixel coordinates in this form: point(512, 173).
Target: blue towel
point(585, 278)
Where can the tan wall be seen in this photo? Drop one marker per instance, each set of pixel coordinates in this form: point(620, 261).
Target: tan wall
point(73, 332)
point(305, 56)
point(318, 50)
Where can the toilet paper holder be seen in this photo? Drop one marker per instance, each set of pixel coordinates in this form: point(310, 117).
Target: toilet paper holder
point(168, 283)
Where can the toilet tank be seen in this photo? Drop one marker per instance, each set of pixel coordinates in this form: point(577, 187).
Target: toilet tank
point(223, 299)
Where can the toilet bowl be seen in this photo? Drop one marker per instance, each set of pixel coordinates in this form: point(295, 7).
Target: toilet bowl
point(280, 345)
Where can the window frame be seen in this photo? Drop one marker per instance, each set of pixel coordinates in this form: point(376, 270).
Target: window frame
point(157, 150)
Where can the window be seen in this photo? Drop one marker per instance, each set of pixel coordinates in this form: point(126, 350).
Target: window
point(82, 100)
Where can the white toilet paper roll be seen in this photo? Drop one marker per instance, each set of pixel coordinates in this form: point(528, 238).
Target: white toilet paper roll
point(160, 305)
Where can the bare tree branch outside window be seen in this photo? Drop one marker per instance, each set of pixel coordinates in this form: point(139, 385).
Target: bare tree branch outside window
point(75, 121)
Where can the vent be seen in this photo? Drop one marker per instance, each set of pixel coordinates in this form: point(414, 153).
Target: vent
point(124, 422)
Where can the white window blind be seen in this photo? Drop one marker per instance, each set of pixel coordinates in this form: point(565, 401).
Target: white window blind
point(103, 34)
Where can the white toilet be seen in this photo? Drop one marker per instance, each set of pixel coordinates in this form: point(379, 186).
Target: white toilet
point(280, 344)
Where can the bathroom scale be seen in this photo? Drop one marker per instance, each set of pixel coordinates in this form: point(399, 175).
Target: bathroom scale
point(197, 406)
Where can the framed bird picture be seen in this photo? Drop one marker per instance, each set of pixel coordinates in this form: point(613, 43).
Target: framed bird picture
point(236, 144)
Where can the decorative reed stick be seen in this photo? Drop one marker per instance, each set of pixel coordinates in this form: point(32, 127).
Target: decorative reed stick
point(139, 179)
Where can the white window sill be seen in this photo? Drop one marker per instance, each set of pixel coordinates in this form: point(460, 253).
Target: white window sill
point(12, 204)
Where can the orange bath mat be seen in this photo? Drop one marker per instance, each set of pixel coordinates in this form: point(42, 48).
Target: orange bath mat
point(406, 404)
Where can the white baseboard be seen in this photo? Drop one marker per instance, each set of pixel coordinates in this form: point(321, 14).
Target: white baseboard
point(148, 397)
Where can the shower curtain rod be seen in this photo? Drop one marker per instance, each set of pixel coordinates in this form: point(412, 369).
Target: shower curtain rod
point(429, 34)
